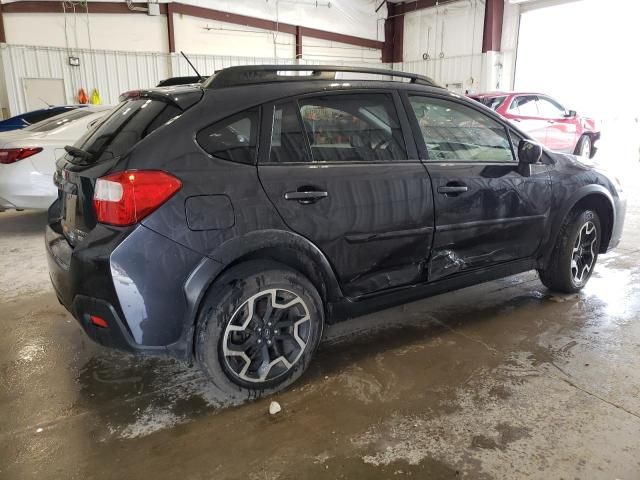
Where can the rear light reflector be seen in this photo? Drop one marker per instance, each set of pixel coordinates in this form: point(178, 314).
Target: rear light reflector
point(12, 155)
point(125, 198)
point(98, 321)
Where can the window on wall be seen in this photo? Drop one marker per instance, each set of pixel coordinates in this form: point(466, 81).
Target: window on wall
point(353, 127)
point(234, 138)
point(455, 132)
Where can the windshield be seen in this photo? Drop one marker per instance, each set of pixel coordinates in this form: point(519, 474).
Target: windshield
point(125, 126)
point(59, 120)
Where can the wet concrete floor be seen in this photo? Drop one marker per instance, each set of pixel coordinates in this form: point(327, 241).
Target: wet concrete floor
point(501, 380)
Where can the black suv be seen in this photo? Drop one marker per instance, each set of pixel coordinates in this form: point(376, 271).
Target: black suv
point(226, 222)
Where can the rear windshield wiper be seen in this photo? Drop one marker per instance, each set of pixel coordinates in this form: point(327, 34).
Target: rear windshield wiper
point(78, 152)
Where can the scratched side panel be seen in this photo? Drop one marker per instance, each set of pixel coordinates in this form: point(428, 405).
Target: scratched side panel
point(501, 217)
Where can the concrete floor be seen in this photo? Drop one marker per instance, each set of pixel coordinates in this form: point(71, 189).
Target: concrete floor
point(501, 380)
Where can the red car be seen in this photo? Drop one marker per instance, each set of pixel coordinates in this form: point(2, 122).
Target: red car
point(545, 120)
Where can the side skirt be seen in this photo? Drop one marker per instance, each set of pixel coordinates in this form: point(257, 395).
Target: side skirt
point(355, 307)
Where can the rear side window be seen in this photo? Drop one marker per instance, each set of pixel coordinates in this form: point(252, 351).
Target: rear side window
point(455, 132)
point(287, 136)
point(125, 126)
point(353, 127)
point(235, 138)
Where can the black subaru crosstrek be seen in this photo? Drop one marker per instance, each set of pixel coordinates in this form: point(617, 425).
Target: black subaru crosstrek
point(224, 223)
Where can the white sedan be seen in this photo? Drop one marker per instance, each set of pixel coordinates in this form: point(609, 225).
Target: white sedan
point(28, 157)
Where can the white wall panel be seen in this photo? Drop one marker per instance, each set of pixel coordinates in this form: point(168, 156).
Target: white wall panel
point(134, 33)
point(111, 72)
point(202, 36)
point(326, 51)
point(449, 30)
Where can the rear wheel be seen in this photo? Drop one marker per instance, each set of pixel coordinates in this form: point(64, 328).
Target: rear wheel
point(575, 253)
point(258, 328)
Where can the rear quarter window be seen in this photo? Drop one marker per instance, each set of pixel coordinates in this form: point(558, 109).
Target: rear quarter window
point(126, 125)
point(234, 138)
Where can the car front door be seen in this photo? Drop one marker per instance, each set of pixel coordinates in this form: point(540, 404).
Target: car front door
point(523, 112)
point(486, 211)
point(343, 171)
point(562, 131)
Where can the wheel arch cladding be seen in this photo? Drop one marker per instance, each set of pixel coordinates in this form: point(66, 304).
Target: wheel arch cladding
point(604, 208)
point(286, 248)
point(595, 197)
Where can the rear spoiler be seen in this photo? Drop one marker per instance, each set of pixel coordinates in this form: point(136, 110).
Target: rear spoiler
point(183, 97)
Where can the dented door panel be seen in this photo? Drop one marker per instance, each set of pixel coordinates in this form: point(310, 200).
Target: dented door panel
point(500, 217)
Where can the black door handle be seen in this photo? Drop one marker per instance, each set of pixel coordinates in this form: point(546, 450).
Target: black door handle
point(453, 189)
point(306, 197)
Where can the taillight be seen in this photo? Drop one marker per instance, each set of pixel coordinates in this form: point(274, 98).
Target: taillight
point(125, 198)
point(12, 155)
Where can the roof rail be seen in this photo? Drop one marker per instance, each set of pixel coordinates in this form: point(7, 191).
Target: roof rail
point(252, 74)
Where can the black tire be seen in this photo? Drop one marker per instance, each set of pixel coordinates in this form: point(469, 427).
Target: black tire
point(560, 274)
point(582, 143)
point(231, 294)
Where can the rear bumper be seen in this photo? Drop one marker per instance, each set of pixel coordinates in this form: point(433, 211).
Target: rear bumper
point(133, 279)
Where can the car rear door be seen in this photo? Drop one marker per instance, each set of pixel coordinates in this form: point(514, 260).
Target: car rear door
point(342, 170)
point(486, 211)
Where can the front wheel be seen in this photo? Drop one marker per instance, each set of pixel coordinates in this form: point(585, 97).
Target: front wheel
point(584, 148)
point(258, 328)
point(575, 253)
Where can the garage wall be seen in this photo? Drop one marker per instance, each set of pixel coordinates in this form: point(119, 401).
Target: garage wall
point(201, 36)
point(445, 43)
point(128, 32)
point(451, 30)
point(325, 51)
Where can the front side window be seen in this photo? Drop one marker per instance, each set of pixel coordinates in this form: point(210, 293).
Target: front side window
point(353, 127)
point(549, 108)
point(455, 132)
point(525, 106)
point(235, 138)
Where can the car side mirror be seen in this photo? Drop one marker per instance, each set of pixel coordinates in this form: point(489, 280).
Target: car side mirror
point(529, 153)
point(571, 114)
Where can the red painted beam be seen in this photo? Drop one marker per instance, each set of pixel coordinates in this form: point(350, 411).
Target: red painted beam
point(298, 43)
point(3, 37)
point(493, 17)
point(393, 35)
point(408, 7)
point(170, 29)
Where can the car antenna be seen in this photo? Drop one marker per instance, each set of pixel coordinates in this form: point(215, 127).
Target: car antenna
point(191, 65)
point(45, 102)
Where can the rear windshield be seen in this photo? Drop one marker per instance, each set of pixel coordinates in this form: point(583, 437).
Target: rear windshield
point(491, 102)
point(126, 125)
point(59, 120)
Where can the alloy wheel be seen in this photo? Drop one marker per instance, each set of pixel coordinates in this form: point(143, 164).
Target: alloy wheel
point(583, 255)
point(266, 336)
